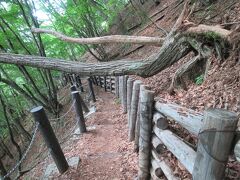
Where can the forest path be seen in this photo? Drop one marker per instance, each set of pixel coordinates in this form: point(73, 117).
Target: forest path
point(104, 150)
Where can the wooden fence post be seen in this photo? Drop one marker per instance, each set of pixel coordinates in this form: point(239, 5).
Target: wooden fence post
point(84, 106)
point(137, 130)
point(91, 89)
point(79, 112)
point(110, 84)
point(117, 86)
point(124, 94)
point(129, 96)
point(121, 88)
point(214, 144)
point(105, 83)
point(146, 114)
point(134, 109)
point(50, 139)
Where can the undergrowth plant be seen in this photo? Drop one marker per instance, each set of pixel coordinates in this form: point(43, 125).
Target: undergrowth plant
point(199, 80)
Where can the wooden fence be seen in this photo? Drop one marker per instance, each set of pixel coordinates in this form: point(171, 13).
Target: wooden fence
point(150, 129)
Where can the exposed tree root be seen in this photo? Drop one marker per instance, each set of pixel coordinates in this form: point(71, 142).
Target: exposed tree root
point(203, 55)
point(178, 76)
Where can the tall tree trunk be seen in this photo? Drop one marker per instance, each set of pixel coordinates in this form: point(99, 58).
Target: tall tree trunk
point(10, 130)
point(5, 148)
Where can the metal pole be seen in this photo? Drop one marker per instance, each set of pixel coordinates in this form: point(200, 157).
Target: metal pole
point(79, 112)
point(84, 106)
point(91, 89)
point(50, 138)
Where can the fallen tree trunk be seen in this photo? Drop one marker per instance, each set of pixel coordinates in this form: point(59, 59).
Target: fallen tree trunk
point(176, 45)
point(171, 51)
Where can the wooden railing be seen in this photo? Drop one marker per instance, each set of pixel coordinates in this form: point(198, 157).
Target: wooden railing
point(150, 129)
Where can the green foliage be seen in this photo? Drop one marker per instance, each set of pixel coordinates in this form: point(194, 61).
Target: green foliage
point(117, 101)
point(199, 80)
point(212, 35)
point(78, 18)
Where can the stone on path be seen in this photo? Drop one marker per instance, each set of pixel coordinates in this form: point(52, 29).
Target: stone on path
point(52, 168)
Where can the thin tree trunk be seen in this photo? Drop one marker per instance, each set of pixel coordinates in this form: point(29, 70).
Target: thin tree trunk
point(10, 130)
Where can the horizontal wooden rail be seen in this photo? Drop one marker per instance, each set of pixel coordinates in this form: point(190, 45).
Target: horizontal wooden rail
point(185, 154)
point(164, 166)
point(187, 118)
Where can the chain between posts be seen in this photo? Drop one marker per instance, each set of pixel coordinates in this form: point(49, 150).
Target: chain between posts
point(55, 119)
point(24, 155)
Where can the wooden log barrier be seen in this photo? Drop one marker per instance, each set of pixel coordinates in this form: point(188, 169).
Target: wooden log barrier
point(134, 109)
point(129, 97)
point(91, 89)
point(146, 109)
point(185, 154)
point(121, 88)
point(237, 150)
point(137, 130)
point(50, 139)
point(117, 86)
point(124, 94)
point(84, 106)
point(215, 139)
point(105, 83)
point(156, 170)
point(187, 118)
point(160, 121)
point(236, 147)
point(164, 167)
point(158, 144)
point(79, 112)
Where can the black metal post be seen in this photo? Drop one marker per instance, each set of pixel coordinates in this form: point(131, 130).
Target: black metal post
point(91, 89)
point(73, 88)
point(79, 112)
point(84, 106)
point(100, 82)
point(80, 83)
point(96, 81)
point(50, 138)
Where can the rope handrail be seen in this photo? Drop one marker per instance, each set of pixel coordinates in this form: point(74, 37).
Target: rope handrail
point(64, 115)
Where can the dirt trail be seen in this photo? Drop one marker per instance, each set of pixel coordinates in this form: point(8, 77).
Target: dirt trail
point(104, 151)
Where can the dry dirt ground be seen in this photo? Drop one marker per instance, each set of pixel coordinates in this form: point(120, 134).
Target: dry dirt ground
point(104, 150)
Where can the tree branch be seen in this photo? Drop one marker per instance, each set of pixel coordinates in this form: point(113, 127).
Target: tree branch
point(155, 41)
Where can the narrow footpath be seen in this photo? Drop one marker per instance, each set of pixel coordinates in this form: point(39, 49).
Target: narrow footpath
point(104, 150)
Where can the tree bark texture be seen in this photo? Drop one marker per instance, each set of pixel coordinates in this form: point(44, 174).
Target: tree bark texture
point(146, 109)
point(134, 109)
point(214, 145)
